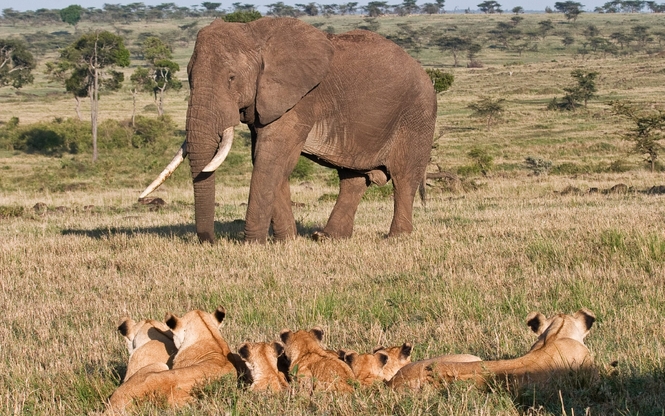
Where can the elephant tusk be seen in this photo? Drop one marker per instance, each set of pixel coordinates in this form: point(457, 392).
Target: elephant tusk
point(222, 152)
point(170, 168)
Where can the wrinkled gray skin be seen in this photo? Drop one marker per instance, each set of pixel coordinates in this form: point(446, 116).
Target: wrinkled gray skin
point(355, 102)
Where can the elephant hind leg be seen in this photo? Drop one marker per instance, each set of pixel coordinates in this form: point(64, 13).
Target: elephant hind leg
point(405, 192)
point(352, 186)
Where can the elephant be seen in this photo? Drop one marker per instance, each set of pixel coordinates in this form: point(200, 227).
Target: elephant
point(355, 102)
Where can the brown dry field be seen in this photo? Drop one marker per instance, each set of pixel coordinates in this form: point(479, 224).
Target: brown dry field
point(483, 254)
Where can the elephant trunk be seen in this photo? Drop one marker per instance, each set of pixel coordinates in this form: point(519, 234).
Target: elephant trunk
point(204, 189)
point(202, 143)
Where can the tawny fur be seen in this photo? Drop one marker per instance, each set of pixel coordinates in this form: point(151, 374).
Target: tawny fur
point(559, 349)
point(149, 342)
point(203, 356)
point(309, 361)
point(381, 365)
point(261, 359)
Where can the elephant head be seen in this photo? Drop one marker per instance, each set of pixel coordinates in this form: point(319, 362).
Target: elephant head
point(242, 72)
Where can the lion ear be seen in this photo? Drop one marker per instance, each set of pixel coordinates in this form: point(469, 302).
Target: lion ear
point(383, 358)
point(585, 316)
point(171, 320)
point(536, 321)
point(350, 357)
point(278, 347)
point(125, 327)
point(219, 314)
point(379, 348)
point(295, 58)
point(243, 351)
point(284, 335)
point(405, 351)
point(317, 332)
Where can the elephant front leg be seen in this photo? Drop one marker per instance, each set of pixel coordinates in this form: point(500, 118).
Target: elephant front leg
point(283, 222)
point(352, 186)
point(269, 194)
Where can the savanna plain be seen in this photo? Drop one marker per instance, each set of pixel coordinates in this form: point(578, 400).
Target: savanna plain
point(494, 241)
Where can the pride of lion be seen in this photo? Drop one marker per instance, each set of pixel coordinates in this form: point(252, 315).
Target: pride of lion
point(168, 360)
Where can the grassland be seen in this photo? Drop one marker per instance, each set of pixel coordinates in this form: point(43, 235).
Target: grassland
point(479, 260)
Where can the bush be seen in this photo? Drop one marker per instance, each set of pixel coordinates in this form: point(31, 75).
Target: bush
point(55, 138)
point(482, 159)
point(468, 170)
point(113, 134)
point(149, 130)
point(74, 136)
point(537, 166)
point(378, 193)
point(441, 80)
point(10, 211)
point(303, 170)
point(241, 16)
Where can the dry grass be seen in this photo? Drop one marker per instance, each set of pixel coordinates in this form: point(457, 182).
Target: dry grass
point(463, 282)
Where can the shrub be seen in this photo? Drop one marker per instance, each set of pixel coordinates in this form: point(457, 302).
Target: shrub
point(149, 130)
point(441, 80)
point(55, 138)
point(73, 136)
point(468, 170)
point(303, 170)
point(242, 16)
point(378, 193)
point(481, 159)
point(10, 211)
point(619, 166)
point(113, 134)
point(537, 166)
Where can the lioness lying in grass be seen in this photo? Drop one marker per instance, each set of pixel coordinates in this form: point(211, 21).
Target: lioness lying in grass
point(311, 363)
point(381, 365)
point(202, 356)
point(150, 345)
point(262, 361)
point(559, 349)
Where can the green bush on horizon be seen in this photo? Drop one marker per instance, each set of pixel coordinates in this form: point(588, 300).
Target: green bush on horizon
point(72, 136)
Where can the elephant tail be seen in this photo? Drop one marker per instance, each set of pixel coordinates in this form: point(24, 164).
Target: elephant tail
point(422, 191)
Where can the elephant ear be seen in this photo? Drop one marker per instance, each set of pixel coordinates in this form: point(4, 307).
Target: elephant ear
point(296, 57)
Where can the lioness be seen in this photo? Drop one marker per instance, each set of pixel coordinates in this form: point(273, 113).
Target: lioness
point(150, 345)
point(310, 361)
point(380, 365)
point(261, 359)
point(559, 349)
point(202, 356)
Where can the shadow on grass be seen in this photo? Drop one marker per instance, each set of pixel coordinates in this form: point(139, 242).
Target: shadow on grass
point(229, 230)
point(608, 394)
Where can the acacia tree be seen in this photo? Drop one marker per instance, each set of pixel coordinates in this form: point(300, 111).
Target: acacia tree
point(586, 85)
point(570, 9)
point(455, 45)
point(89, 63)
point(160, 75)
point(647, 132)
point(490, 7)
point(488, 108)
point(16, 63)
point(71, 15)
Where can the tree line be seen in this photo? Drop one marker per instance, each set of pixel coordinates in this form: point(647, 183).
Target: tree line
point(138, 11)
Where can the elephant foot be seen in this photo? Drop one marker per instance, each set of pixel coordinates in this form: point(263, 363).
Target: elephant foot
point(320, 236)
